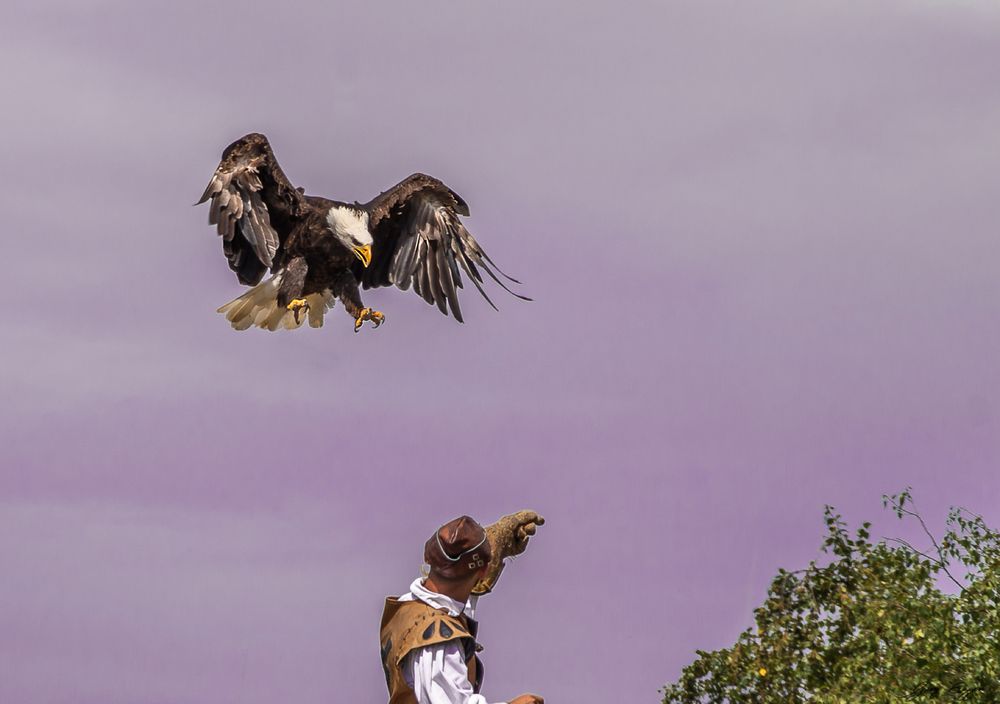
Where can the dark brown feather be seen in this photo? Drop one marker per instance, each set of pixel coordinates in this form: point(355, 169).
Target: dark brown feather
point(421, 241)
point(254, 206)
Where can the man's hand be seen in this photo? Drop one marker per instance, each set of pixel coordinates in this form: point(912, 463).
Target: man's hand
point(527, 699)
point(513, 531)
point(509, 536)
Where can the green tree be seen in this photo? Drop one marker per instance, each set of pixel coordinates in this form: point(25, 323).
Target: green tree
point(882, 622)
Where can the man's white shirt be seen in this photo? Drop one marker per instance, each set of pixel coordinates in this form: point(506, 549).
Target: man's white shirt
point(437, 673)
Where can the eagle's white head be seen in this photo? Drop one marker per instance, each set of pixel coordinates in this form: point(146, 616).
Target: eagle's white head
point(350, 226)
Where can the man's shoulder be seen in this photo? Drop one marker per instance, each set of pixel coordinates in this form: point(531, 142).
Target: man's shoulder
point(411, 624)
point(414, 613)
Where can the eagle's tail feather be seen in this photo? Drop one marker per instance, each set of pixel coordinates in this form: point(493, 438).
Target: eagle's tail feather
point(259, 306)
point(318, 303)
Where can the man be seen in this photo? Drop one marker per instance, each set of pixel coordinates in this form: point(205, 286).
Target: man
point(428, 636)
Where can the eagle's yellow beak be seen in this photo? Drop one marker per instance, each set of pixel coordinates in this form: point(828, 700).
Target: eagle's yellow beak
point(364, 253)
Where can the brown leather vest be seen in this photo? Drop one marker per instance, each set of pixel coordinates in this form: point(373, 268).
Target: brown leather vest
point(408, 625)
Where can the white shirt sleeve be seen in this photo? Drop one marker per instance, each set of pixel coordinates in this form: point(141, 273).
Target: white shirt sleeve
point(438, 675)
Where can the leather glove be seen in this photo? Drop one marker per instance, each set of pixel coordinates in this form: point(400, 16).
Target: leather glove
point(507, 537)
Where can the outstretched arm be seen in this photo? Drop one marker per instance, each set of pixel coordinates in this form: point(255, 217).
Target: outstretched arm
point(508, 537)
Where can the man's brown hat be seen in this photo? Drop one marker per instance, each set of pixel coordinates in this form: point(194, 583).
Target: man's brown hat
point(457, 549)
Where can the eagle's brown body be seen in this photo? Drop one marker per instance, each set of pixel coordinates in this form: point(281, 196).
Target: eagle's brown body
point(319, 250)
point(329, 262)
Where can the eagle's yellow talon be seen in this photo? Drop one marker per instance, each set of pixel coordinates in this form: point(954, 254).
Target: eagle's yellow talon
point(296, 306)
point(363, 315)
point(368, 314)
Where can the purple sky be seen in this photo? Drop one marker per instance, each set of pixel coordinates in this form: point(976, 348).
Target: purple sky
point(763, 242)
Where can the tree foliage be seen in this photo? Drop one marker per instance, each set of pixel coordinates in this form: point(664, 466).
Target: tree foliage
point(882, 622)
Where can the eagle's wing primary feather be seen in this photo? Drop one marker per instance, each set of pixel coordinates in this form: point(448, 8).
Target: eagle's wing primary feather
point(421, 241)
point(254, 206)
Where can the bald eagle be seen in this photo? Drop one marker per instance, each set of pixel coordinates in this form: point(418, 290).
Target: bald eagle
point(319, 250)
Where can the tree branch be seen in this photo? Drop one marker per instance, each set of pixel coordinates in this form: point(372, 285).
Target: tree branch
point(940, 563)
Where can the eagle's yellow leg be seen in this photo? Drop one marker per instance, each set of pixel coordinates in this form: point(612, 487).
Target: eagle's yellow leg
point(364, 314)
point(298, 307)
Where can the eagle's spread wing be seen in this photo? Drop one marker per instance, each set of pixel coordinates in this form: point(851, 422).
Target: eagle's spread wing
point(420, 240)
point(253, 204)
